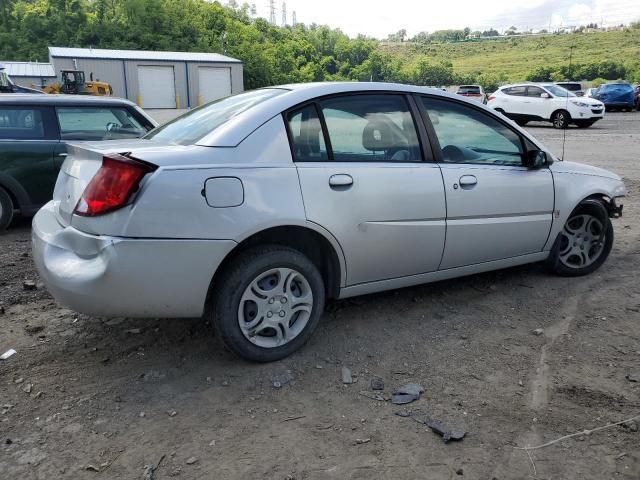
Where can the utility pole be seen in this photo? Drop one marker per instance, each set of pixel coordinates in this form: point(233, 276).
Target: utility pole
point(293, 18)
point(272, 12)
point(284, 14)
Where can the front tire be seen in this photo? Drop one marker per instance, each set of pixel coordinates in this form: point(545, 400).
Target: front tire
point(268, 302)
point(577, 251)
point(560, 119)
point(6, 209)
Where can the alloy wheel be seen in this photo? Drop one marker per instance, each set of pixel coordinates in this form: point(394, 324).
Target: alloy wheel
point(275, 307)
point(560, 120)
point(580, 244)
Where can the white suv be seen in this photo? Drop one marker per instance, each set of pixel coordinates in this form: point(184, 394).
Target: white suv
point(545, 102)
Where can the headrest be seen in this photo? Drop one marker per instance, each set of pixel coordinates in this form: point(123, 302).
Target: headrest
point(381, 134)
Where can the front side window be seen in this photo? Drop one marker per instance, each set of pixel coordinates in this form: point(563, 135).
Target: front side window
point(306, 135)
point(534, 92)
point(467, 135)
point(371, 128)
point(98, 123)
point(21, 123)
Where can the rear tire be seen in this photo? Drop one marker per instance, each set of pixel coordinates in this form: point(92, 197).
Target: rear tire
point(268, 302)
point(583, 227)
point(6, 209)
point(560, 119)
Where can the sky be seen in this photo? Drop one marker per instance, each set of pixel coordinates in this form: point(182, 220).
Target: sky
point(378, 18)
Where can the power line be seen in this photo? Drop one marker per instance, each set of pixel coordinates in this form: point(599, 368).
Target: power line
point(284, 14)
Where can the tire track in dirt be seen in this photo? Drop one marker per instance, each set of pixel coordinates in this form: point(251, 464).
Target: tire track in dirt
point(540, 385)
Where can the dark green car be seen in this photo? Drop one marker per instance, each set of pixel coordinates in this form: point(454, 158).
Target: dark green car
point(34, 130)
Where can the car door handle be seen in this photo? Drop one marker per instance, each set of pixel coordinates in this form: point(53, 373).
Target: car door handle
point(468, 181)
point(340, 180)
point(61, 154)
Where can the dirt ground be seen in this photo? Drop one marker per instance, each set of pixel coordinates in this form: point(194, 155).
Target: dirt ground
point(93, 398)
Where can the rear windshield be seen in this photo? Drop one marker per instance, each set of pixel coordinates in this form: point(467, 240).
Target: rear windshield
point(621, 87)
point(199, 122)
point(469, 89)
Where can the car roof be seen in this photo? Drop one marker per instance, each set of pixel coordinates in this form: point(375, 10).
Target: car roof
point(67, 100)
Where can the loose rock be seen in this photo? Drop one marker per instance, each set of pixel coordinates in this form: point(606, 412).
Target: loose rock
point(27, 388)
point(377, 384)
point(33, 329)
point(191, 460)
point(538, 331)
point(29, 285)
point(633, 377)
point(346, 376)
point(407, 394)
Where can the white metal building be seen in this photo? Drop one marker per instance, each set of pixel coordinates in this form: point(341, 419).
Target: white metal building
point(30, 74)
point(156, 79)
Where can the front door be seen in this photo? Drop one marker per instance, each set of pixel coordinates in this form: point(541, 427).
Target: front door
point(496, 208)
point(365, 180)
point(27, 141)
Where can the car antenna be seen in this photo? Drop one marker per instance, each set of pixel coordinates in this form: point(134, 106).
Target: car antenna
point(566, 103)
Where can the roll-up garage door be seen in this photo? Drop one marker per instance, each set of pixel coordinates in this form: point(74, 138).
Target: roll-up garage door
point(157, 86)
point(214, 83)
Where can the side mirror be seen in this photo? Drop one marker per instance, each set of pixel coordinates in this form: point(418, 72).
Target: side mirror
point(545, 95)
point(534, 159)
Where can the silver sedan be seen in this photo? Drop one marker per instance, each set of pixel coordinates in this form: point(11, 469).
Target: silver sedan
point(254, 209)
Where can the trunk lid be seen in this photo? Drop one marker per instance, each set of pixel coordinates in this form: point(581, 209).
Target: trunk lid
point(85, 159)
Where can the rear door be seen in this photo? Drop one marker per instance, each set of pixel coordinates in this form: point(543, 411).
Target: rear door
point(515, 101)
point(28, 138)
point(496, 208)
point(366, 179)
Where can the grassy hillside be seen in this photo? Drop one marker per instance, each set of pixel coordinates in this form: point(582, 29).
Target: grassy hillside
point(516, 57)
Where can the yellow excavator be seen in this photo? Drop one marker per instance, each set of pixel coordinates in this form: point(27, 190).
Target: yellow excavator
point(73, 83)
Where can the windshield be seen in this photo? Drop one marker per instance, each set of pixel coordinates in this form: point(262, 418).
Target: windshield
point(201, 121)
point(469, 89)
point(559, 91)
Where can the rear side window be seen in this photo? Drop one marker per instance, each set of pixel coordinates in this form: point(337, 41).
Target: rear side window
point(199, 122)
point(467, 135)
point(519, 91)
point(23, 123)
point(306, 135)
point(371, 128)
point(97, 123)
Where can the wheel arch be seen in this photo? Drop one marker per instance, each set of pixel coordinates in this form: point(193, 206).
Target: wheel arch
point(310, 239)
point(18, 195)
point(561, 110)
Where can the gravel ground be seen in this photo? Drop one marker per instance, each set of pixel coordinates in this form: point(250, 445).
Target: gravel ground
point(103, 398)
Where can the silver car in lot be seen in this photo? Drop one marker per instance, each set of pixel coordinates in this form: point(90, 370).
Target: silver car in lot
point(255, 209)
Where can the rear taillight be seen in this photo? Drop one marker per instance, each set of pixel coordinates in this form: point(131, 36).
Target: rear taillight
point(112, 186)
point(490, 97)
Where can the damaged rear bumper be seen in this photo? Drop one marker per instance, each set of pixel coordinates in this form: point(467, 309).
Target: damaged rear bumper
point(128, 277)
